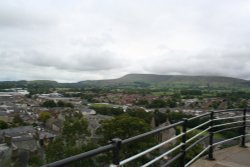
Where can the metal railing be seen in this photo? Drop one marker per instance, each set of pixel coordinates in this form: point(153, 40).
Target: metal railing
point(182, 148)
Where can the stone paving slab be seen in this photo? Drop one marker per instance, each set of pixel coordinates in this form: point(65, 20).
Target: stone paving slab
point(229, 157)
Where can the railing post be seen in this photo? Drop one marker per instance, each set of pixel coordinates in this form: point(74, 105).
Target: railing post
point(243, 133)
point(184, 139)
point(211, 137)
point(116, 152)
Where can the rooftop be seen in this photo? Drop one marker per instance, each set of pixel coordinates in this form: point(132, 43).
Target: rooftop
point(17, 131)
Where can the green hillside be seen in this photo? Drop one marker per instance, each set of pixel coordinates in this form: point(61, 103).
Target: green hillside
point(152, 80)
point(138, 81)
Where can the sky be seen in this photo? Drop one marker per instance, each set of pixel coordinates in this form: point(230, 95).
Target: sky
point(76, 40)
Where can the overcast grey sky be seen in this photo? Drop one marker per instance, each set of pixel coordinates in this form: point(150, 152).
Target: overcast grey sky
point(74, 40)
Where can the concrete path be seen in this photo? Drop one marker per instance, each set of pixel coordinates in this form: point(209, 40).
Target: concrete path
point(229, 157)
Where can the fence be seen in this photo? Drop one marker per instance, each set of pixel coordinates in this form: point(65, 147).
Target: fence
point(238, 120)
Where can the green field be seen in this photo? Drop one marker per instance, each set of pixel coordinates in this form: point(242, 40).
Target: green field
point(101, 105)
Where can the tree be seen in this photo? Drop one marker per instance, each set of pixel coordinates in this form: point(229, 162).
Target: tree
point(60, 103)
point(73, 141)
point(44, 116)
point(190, 154)
point(105, 110)
point(3, 125)
point(142, 102)
point(191, 92)
point(118, 127)
point(63, 104)
point(157, 103)
point(49, 104)
point(123, 127)
point(177, 116)
point(75, 128)
point(18, 121)
point(58, 150)
point(55, 150)
point(35, 160)
point(70, 105)
point(171, 103)
point(215, 104)
point(140, 113)
point(243, 104)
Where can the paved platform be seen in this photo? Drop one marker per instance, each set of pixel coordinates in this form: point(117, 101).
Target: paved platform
point(229, 157)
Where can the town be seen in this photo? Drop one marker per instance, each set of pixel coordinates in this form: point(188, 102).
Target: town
point(32, 125)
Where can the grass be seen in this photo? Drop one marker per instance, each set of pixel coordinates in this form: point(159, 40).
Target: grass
point(101, 105)
point(162, 93)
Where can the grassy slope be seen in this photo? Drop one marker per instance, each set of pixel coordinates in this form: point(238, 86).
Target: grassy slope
point(171, 80)
point(141, 80)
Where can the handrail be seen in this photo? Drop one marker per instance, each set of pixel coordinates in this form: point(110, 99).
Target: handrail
point(228, 110)
point(233, 138)
point(81, 156)
point(172, 160)
point(162, 155)
point(197, 142)
point(117, 143)
point(226, 129)
point(151, 132)
point(198, 126)
point(197, 135)
point(149, 150)
point(197, 156)
point(225, 118)
point(199, 116)
point(230, 123)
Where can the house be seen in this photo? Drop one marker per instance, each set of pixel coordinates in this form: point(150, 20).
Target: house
point(6, 117)
point(18, 144)
point(57, 126)
point(94, 123)
point(87, 111)
point(166, 134)
point(5, 155)
point(54, 124)
point(18, 131)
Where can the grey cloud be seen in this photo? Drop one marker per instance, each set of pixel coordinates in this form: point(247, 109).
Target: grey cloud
point(95, 61)
point(90, 55)
point(26, 15)
point(220, 63)
point(20, 20)
point(81, 62)
point(79, 40)
point(92, 41)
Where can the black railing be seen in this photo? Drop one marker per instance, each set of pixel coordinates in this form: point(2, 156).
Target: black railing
point(212, 121)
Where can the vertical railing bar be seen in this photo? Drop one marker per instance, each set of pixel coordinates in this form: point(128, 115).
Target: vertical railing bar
point(243, 133)
point(211, 137)
point(184, 139)
point(116, 152)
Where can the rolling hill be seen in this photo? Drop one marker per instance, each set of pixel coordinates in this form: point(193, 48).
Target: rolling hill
point(139, 81)
point(153, 80)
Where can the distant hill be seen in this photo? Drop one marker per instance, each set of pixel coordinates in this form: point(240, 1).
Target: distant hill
point(153, 80)
point(26, 84)
point(138, 81)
